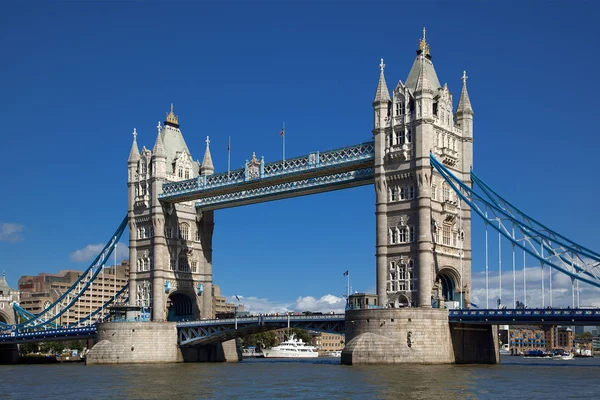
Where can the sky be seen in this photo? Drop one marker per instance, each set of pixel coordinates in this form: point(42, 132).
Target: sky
point(77, 77)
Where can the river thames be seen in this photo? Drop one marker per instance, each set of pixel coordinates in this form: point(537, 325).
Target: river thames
point(323, 378)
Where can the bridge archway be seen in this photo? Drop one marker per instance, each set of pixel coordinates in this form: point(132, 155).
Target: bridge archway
point(181, 307)
point(4, 318)
point(447, 283)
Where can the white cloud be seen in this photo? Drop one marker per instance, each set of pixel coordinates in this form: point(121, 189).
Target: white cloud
point(10, 232)
point(325, 304)
point(92, 250)
point(562, 290)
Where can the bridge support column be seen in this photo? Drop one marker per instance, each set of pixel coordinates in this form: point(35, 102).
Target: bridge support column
point(475, 343)
point(398, 336)
point(218, 352)
point(9, 354)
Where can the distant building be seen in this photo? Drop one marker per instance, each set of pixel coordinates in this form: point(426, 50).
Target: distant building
point(559, 337)
point(40, 291)
point(328, 342)
point(221, 308)
point(524, 338)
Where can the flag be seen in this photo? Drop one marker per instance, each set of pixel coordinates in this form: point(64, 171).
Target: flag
point(282, 133)
point(346, 273)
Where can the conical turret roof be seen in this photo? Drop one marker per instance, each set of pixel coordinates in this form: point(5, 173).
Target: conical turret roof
point(382, 95)
point(207, 163)
point(464, 103)
point(159, 149)
point(134, 154)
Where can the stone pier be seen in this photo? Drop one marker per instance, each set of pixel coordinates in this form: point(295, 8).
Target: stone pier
point(152, 342)
point(415, 336)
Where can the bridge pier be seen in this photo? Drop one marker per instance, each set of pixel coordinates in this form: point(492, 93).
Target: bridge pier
point(415, 336)
point(152, 342)
point(9, 354)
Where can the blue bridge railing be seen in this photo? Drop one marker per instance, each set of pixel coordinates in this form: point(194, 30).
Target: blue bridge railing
point(257, 170)
point(544, 316)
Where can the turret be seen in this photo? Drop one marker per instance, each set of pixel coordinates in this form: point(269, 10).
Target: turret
point(134, 157)
point(207, 164)
point(464, 111)
point(381, 104)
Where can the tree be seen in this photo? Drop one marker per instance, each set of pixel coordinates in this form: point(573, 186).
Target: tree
point(302, 334)
point(263, 340)
point(27, 348)
point(584, 336)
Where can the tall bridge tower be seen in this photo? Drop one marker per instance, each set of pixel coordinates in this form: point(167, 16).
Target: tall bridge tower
point(423, 238)
point(423, 231)
point(170, 245)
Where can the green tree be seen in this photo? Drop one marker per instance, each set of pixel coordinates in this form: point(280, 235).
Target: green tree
point(302, 334)
point(263, 340)
point(28, 348)
point(584, 336)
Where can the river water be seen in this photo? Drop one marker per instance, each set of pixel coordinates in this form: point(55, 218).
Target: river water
point(323, 378)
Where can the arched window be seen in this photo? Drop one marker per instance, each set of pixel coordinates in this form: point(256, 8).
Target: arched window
point(184, 231)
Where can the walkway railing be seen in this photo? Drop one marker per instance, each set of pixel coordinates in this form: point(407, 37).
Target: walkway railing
point(258, 170)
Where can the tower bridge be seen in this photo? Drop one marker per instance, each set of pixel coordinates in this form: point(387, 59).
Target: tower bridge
point(420, 163)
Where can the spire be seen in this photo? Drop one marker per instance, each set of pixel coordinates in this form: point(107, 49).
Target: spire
point(423, 46)
point(464, 104)
point(159, 149)
point(134, 154)
point(207, 164)
point(382, 95)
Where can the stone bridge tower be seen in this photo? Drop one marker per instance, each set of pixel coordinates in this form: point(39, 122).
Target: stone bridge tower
point(423, 234)
point(170, 245)
point(423, 229)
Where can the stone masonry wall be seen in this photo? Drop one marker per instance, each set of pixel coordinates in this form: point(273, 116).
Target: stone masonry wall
point(398, 336)
point(135, 342)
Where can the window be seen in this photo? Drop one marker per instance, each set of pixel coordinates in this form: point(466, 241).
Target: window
point(183, 264)
point(187, 174)
point(172, 263)
point(144, 167)
point(184, 231)
point(403, 235)
point(143, 188)
point(194, 266)
point(446, 234)
point(180, 172)
point(411, 234)
point(409, 135)
point(394, 194)
point(169, 231)
point(198, 235)
point(445, 192)
point(394, 235)
point(433, 192)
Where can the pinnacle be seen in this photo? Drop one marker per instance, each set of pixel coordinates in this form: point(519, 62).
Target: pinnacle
point(207, 163)
point(423, 82)
point(382, 94)
point(134, 154)
point(464, 103)
point(159, 149)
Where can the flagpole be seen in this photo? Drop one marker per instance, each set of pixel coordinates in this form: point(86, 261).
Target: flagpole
point(348, 288)
point(228, 156)
point(283, 130)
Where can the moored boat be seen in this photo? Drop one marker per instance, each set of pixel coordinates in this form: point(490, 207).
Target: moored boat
point(291, 348)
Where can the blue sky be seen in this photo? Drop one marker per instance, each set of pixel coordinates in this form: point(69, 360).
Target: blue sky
point(77, 77)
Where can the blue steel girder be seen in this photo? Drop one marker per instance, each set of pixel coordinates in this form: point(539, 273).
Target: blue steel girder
point(216, 331)
point(49, 334)
point(256, 174)
point(526, 316)
point(296, 188)
point(553, 250)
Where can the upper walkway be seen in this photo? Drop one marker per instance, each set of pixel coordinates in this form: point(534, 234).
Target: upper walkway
point(259, 181)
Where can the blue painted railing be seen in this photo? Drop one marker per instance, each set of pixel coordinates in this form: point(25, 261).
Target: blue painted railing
point(548, 316)
point(257, 170)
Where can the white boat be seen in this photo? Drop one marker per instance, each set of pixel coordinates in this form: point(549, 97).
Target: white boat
point(251, 352)
point(335, 353)
point(291, 348)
